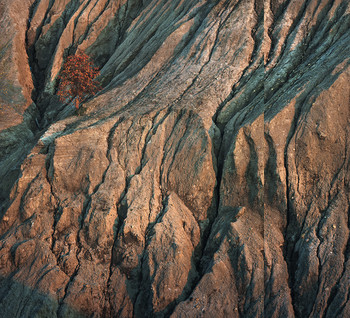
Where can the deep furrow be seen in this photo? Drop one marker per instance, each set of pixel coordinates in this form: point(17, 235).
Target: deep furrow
point(316, 43)
point(194, 79)
point(178, 144)
point(121, 220)
point(76, 20)
point(320, 267)
point(86, 208)
point(165, 148)
point(121, 209)
point(121, 212)
point(58, 208)
point(148, 237)
point(291, 30)
point(148, 137)
point(289, 246)
point(31, 52)
point(253, 92)
point(309, 41)
point(336, 287)
point(253, 177)
point(88, 28)
point(296, 125)
point(334, 57)
point(306, 53)
point(156, 76)
point(71, 279)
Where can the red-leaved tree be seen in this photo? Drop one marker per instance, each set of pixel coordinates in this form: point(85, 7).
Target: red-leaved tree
point(78, 79)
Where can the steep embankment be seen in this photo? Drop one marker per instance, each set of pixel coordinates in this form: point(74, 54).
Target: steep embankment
point(209, 178)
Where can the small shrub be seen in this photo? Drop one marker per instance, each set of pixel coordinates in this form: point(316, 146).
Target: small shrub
point(78, 79)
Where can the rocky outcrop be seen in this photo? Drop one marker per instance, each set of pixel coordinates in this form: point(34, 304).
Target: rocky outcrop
point(209, 177)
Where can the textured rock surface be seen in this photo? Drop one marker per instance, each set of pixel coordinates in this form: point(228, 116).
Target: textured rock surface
point(209, 178)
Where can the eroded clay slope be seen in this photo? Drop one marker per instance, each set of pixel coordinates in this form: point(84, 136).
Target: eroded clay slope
point(209, 177)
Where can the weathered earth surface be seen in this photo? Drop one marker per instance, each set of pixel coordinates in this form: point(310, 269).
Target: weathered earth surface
point(209, 178)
